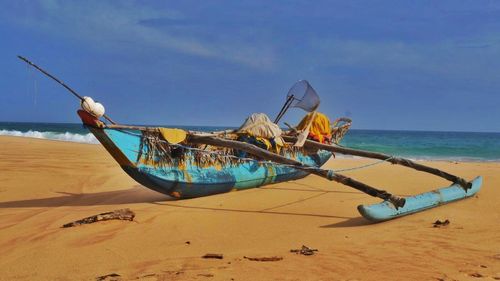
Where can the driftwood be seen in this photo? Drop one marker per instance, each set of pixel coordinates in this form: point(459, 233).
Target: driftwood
point(391, 159)
point(306, 251)
point(213, 256)
point(274, 258)
point(206, 275)
point(328, 174)
point(109, 277)
point(122, 214)
point(439, 223)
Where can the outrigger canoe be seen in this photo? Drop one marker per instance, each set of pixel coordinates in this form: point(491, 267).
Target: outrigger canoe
point(200, 164)
point(185, 178)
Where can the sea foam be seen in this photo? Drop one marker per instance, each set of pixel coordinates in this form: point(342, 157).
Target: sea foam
point(66, 136)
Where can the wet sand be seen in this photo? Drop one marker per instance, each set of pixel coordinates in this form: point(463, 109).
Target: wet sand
point(45, 184)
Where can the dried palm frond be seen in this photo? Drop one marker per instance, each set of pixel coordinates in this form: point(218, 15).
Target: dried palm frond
point(155, 150)
point(340, 128)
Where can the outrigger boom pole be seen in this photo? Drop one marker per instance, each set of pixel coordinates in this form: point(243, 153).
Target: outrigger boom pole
point(60, 82)
point(398, 202)
point(394, 160)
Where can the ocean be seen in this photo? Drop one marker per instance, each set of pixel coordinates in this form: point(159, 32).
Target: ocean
point(453, 146)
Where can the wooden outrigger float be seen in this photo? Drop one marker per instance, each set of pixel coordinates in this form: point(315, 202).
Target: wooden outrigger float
point(188, 164)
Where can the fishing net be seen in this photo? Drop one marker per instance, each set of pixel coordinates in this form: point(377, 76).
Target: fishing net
point(310, 100)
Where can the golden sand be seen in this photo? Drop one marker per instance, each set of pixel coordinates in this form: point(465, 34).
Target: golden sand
point(45, 184)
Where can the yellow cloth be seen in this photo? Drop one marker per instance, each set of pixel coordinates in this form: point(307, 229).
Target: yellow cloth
point(320, 127)
point(173, 136)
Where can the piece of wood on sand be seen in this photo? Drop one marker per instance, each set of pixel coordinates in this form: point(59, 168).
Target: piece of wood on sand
point(306, 251)
point(122, 214)
point(109, 277)
point(213, 256)
point(274, 258)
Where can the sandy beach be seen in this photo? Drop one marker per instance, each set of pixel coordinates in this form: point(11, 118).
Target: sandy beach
point(45, 184)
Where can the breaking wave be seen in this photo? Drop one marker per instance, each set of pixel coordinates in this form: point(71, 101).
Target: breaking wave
point(66, 136)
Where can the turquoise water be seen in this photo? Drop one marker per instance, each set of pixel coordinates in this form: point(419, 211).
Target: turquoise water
point(413, 144)
point(428, 145)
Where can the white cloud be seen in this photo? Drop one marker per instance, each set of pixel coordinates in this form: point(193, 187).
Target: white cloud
point(115, 26)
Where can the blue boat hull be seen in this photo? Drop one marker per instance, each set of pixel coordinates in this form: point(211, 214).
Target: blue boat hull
point(189, 180)
point(386, 210)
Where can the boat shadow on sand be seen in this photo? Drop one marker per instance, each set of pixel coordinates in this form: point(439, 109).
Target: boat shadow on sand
point(137, 195)
point(117, 197)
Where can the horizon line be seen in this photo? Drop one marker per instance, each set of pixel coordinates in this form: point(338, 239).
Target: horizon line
point(228, 126)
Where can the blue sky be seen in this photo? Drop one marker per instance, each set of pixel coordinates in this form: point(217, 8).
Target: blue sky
point(416, 65)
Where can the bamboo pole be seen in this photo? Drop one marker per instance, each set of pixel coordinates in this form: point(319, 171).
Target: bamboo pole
point(129, 127)
point(394, 160)
point(328, 174)
point(144, 128)
point(284, 109)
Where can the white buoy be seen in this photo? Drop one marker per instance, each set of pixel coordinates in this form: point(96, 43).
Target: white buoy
point(92, 107)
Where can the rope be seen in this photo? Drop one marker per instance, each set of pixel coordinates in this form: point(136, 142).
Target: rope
point(260, 161)
point(364, 166)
